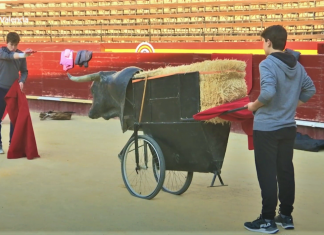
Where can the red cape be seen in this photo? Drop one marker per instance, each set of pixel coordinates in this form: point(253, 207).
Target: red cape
point(23, 142)
point(244, 116)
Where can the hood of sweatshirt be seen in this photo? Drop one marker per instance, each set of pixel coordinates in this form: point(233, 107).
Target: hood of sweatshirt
point(286, 62)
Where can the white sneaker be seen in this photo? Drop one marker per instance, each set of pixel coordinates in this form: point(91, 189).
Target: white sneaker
point(1, 150)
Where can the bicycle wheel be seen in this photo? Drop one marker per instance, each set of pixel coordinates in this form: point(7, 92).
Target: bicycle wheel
point(176, 182)
point(146, 180)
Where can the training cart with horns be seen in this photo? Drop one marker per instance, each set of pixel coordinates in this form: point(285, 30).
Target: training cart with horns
point(172, 144)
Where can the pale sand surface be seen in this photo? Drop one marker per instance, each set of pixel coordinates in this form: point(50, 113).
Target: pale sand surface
point(76, 188)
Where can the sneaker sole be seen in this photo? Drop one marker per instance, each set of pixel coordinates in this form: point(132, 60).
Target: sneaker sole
point(262, 230)
point(286, 226)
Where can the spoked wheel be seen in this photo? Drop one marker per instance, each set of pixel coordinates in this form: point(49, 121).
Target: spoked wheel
point(176, 182)
point(146, 179)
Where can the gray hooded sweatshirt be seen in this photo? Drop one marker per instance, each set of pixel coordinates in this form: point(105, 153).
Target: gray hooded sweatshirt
point(10, 68)
point(284, 82)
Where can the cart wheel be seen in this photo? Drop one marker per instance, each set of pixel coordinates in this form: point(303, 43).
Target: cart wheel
point(176, 182)
point(145, 182)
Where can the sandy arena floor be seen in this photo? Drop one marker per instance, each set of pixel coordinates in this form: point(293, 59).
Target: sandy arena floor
point(76, 188)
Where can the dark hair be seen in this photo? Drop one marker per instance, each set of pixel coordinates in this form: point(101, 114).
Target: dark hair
point(13, 38)
point(277, 35)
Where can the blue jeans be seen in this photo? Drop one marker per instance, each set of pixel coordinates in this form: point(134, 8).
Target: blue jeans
point(3, 104)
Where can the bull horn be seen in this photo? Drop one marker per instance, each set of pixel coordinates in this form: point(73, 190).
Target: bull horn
point(85, 78)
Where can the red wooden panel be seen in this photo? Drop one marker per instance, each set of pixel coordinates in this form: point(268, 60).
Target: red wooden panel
point(210, 45)
point(315, 133)
point(43, 47)
point(314, 65)
point(47, 47)
point(320, 48)
point(301, 45)
point(47, 77)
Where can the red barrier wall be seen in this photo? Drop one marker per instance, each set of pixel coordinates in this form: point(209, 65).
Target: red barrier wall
point(210, 45)
point(320, 48)
point(307, 47)
point(314, 65)
point(51, 47)
point(47, 78)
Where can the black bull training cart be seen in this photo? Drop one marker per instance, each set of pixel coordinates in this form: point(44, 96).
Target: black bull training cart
point(174, 145)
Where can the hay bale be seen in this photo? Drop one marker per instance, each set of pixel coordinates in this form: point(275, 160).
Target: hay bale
point(221, 81)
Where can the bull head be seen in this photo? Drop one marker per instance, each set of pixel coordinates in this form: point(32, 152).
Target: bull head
point(109, 92)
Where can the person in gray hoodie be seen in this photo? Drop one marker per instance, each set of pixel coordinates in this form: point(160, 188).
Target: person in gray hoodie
point(285, 85)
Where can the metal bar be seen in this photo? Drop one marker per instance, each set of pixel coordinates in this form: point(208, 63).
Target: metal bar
point(233, 110)
point(145, 154)
point(220, 179)
point(213, 181)
point(136, 127)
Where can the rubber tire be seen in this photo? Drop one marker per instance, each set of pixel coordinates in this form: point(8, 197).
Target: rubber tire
point(184, 187)
point(159, 153)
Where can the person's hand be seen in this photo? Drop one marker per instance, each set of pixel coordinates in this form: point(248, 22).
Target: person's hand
point(300, 103)
point(21, 84)
point(28, 52)
point(251, 106)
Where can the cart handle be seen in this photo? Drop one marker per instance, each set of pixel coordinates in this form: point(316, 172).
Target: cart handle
point(233, 110)
point(226, 112)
